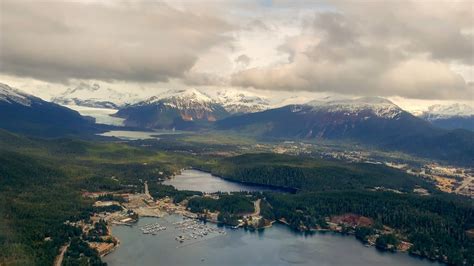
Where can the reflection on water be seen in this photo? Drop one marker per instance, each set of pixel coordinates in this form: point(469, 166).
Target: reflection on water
point(130, 135)
point(138, 135)
point(275, 246)
point(201, 181)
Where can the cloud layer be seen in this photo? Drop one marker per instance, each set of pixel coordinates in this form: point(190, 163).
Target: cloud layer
point(137, 41)
point(391, 48)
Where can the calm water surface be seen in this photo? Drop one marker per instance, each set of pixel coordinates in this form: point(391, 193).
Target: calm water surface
point(273, 246)
point(205, 182)
point(138, 135)
point(130, 135)
point(278, 245)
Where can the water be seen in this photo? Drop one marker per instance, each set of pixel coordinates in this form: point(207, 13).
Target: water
point(131, 135)
point(205, 182)
point(274, 246)
point(138, 135)
point(278, 245)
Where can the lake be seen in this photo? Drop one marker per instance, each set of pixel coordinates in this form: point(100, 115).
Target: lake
point(274, 246)
point(205, 182)
point(130, 135)
point(138, 135)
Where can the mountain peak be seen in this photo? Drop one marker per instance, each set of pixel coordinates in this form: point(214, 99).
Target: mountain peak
point(188, 95)
point(381, 107)
point(236, 101)
point(11, 95)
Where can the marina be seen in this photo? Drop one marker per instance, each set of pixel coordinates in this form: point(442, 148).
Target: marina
point(278, 245)
point(152, 228)
point(194, 230)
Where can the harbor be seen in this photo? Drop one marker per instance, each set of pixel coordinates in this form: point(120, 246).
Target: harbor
point(277, 245)
point(193, 230)
point(152, 228)
point(186, 232)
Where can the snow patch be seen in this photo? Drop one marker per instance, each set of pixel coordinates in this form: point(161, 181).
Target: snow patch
point(439, 111)
point(11, 95)
point(378, 106)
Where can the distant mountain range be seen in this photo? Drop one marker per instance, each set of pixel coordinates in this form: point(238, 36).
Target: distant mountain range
point(95, 96)
point(180, 109)
point(373, 121)
point(189, 108)
point(450, 116)
point(30, 115)
point(234, 102)
point(368, 120)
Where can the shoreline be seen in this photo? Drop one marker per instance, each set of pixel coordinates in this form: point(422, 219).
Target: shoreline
point(311, 231)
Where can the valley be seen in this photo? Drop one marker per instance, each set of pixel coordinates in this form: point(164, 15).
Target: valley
point(255, 178)
point(279, 133)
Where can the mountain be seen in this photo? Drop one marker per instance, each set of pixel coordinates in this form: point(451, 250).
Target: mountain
point(370, 120)
point(95, 96)
point(450, 116)
point(180, 109)
point(241, 102)
point(27, 114)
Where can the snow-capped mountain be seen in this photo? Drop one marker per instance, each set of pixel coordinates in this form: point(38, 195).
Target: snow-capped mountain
point(439, 111)
point(95, 96)
point(240, 102)
point(180, 109)
point(377, 106)
point(175, 107)
point(25, 113)
point(367, 118)
point(13, 96)
point(373, 121)
point(450, 116)
point(182, 99)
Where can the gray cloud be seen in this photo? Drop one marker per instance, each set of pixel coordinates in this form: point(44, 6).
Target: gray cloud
point(257, 25)
point(404, 48)
point(135, 41)
point(243, 60)
point(376, 49)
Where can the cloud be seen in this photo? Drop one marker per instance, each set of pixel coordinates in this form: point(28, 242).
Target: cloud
point(407, 48)
point(135, 41)
point(243, 60)
point(194, 78)
point(381, 49)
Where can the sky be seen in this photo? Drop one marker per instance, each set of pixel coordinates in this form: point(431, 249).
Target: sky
point(414, 52)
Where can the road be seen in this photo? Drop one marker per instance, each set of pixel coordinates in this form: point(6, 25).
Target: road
point(466, 182)
point(147, 192)
point(59, 259)
point(257, 208)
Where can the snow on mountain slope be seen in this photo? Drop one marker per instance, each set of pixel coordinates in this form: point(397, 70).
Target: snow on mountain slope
point(182, 98)
point(95, 96)
point(439, 111)
point(236, 102)
point(233, 101)
point(180, 109)
point(380, 107)
point(11, 95)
